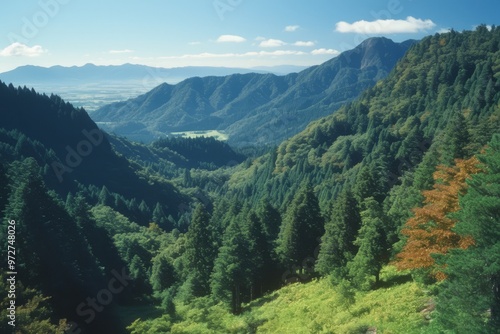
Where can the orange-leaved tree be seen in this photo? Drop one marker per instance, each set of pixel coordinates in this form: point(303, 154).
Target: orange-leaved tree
point(429, 231)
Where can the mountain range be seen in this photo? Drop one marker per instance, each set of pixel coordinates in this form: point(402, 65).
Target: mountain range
point(92, 86)
point(90, 73)
point(253, 108)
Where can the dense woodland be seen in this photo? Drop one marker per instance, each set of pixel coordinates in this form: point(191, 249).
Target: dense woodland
point(396, 191)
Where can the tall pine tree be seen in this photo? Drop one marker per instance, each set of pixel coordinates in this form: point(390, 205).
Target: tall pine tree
point(373, 250)
point(263, 265)
point(337, 244)
point(301, 230)
point(456, 139)
point(232, 268)
point(200, 252)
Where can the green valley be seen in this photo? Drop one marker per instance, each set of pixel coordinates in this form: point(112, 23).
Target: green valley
point(253, 108)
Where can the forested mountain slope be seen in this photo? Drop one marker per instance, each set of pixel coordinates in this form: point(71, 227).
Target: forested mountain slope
point(255, 108)
point(82, 211)
point(446, 85)
point(72, 151)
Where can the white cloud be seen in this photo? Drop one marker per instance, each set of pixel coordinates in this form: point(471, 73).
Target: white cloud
point(243, 59)
point(232, 55)
point(19, 50)
point(410, 25)
point(324, 51)
point(230, 39)
point(271, 43)
point(304, 43)
point(121, 51)
point(292, 28)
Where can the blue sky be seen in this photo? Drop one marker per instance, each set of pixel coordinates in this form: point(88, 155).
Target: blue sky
point(232, 33)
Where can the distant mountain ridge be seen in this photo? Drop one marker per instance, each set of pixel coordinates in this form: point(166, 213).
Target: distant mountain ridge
point(93, 86)
point(254, 108)
point(90, 73)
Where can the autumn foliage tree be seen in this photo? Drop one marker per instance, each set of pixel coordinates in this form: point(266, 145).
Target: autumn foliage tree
point(469, 298)
point(429, 231)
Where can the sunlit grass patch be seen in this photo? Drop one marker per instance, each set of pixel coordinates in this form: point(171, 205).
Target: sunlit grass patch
point(314, 307)
point(203, 133)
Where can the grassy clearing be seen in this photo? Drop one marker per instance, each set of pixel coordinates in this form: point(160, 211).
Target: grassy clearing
point(315, 307)
point(206, 133)
point(318, 307)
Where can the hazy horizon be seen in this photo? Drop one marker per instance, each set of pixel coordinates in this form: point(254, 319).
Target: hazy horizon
point(241, 34)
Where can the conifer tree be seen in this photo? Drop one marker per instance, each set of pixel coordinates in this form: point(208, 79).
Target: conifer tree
point(187, 179)
point(162, 273)
point(423, 175)
point(397, 207)
point(372, 242)
point(456, 140)
point(372, 181)
point(200, 251)
point(337, 244)
point(411, 150)
point(271, 220)
point(366, 184)
point(105, 197)
point(143, 207)
point(232, 268)
point(143, 211)
point(261, 255)
point(139, 273)
point(160, 218)
point(302, 228)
